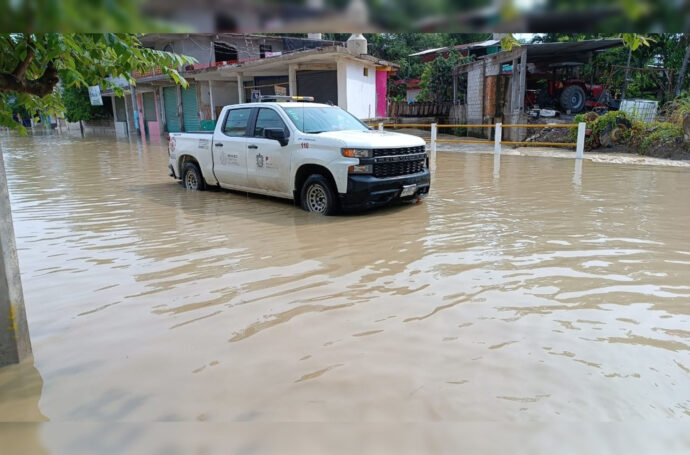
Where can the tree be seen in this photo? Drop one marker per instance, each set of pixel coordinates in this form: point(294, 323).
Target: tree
point(32, 64)
point(684, 66)
point(437, 78)
point(77, 105)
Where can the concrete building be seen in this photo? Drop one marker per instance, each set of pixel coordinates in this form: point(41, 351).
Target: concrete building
point(233, 66)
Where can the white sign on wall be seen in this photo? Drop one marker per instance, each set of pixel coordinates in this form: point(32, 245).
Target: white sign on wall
point(95, 95)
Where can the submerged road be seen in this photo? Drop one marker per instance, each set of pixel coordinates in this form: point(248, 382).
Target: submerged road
point(534, 290)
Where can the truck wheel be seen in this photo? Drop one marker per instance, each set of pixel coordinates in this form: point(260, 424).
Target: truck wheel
point(573, 98)
point(192, 179)
point(317, 195)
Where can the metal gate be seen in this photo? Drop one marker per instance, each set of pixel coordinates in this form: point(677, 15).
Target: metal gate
point(190, 109)
point(171, 118)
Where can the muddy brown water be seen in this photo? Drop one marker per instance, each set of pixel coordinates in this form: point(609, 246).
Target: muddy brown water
point(530, 290)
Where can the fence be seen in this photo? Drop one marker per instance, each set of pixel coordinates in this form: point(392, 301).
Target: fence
point(427, 109)
point(498, 133)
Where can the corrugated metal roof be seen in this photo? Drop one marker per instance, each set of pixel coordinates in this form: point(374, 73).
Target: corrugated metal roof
point(475, 45)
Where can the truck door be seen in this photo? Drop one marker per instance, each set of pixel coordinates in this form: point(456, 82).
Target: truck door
point(268, 162)
point(230, 148)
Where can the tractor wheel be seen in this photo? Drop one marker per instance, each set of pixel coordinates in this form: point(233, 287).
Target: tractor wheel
point(573, 99)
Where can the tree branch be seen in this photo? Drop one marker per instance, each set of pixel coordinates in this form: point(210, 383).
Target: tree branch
point(40, 87)
point(20, 70)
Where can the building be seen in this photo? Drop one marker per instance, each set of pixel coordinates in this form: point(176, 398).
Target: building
point(496, 87)
point(233, 66)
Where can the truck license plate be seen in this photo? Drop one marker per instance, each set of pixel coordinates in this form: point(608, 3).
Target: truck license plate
point(408, 190)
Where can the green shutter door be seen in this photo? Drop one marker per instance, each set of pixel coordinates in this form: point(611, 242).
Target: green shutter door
point(170, 100)
point(190, 109)
point(149, 107)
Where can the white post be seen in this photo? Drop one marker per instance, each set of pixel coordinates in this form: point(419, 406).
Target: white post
point(580, 148)
point(432, 158)
point(497, 139)
point(380, 126)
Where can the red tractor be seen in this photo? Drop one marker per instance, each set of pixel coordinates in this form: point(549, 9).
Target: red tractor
point(559, 86)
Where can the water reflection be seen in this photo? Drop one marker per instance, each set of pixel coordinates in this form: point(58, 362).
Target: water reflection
point(513, 300)
point(577, 173)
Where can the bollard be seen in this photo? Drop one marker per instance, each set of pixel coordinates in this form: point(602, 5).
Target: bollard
point(580, 147)
point(380, 126)
point(497, 139)
point(432, 159)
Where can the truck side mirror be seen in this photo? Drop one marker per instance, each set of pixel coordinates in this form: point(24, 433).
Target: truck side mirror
point(277, 134)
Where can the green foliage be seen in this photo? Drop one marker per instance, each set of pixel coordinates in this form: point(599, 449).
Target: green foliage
point(437, 78)
point(508, 42)
point(77, 59)
point(640, 136)
point(78, 105)
point(678, 108)
point(658, 133)
point(78, 16)
point(607, 121)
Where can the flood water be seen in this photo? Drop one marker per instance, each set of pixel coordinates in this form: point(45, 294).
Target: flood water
point(537, 291)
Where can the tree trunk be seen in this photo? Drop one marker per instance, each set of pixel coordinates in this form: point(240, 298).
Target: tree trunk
point(81, 128)
point(625, 80)
point(681, 76)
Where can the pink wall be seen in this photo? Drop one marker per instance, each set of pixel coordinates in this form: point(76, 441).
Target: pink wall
point(381, 89)
point(154, 131)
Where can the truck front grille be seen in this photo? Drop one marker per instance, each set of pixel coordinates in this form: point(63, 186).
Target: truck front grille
point(399, 168)
point(398, 151)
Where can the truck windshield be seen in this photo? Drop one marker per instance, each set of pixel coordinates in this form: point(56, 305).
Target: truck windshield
point(318, 119)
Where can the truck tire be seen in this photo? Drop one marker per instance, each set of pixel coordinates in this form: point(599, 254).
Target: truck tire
point(573, 99)
point(317, 195)
point(192, 178)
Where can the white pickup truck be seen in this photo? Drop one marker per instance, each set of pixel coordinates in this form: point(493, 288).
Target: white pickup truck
point(319, 155)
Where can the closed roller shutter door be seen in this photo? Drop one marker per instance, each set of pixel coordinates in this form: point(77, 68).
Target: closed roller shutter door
point(170, 100)
point(322, 85)
point(149, 107)
point(190, 109)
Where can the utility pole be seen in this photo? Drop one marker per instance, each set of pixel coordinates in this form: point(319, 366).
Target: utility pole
point(15, 345)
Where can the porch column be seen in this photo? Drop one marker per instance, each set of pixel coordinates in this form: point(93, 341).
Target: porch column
point(240, 88)
point(210, 98)
point(292, 80)
point(341, 74)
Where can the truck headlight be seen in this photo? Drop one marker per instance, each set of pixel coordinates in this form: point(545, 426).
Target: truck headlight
point(361, 169)
point(357, 153)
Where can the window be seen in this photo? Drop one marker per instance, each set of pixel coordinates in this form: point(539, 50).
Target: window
point(268, 118)
point(321, 119)
point(263, 48)
point(366, 72)
point(236, 123)
point(224, 52)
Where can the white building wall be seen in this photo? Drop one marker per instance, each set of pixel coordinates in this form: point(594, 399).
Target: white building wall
point(361, 90)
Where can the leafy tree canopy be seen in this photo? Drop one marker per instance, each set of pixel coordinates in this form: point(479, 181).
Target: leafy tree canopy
point(32, 64)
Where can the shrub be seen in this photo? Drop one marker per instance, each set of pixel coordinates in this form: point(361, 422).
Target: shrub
point(658, 133)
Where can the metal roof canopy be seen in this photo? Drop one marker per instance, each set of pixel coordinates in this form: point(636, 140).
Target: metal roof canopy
point(568, 51)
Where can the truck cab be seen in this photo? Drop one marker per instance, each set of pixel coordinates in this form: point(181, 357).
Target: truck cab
point(319, 155)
